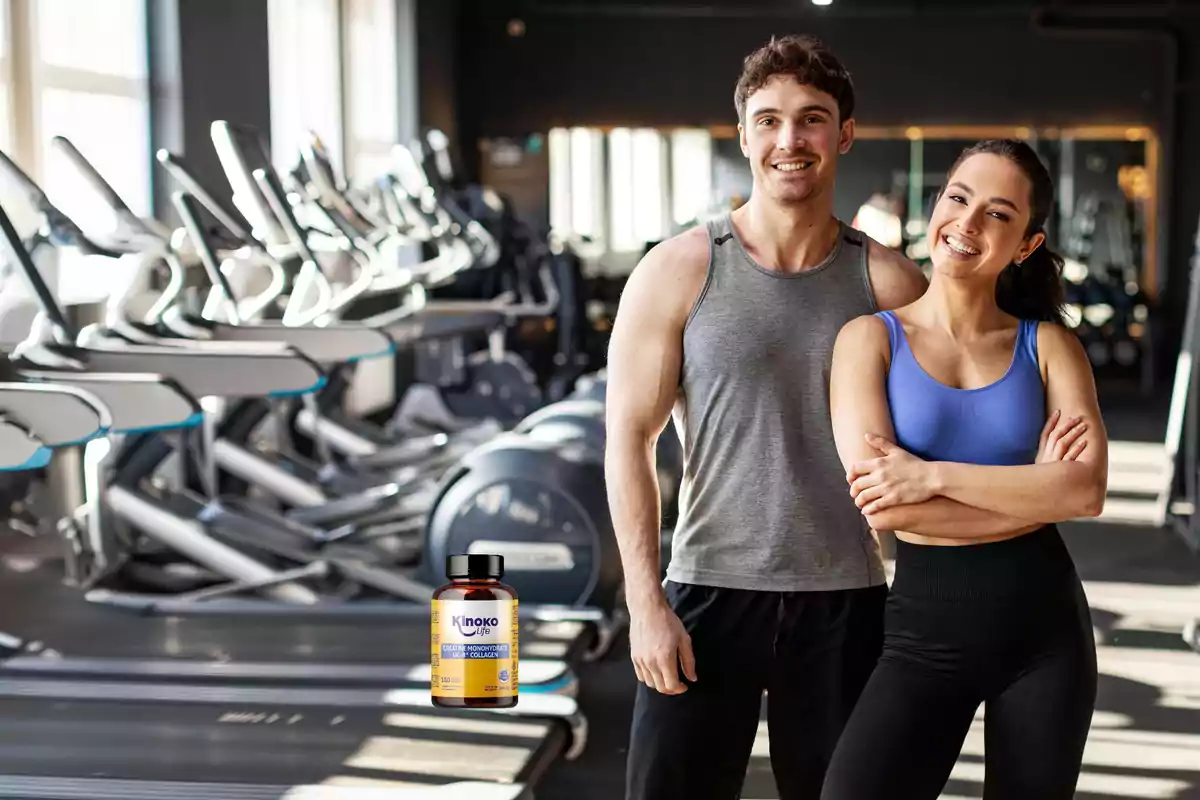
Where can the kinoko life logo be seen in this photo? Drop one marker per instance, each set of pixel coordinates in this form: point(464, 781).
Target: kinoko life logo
point(474, 626)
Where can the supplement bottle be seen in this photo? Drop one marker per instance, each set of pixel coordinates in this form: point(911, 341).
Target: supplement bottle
point(474, 636)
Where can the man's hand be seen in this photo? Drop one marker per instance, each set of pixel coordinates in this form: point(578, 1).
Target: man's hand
point(659, 645)
point(895, 478)
point(1061, 439)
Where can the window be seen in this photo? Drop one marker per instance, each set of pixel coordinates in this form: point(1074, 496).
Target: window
point(629, 187)
point(371, 87)
point(637, 187)
point(559, 147)
point(587, 183)
point(621, 194)
point(650, 186)
point(306, 95)
point(691, 176)
point(577, 183)
point(98, 98)
point(94, 38)
point(5, 82)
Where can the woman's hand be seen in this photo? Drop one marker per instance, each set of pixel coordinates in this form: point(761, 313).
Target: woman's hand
point(1060, 439)
point(895, 478)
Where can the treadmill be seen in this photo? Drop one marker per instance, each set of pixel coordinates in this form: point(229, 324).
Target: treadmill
point(555, 640)
point(553, 634)
point(266, 736)
point(89, 640)
point(155, 740)
point(258, 190)
point(322, 496)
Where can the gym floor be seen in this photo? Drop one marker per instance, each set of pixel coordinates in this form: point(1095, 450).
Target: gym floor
point(1143, 584)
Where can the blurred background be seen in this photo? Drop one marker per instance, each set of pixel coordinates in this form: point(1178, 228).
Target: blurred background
point(612, 123)
point(605, 126)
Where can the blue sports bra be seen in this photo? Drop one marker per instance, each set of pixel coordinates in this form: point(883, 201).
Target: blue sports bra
point(997, 424)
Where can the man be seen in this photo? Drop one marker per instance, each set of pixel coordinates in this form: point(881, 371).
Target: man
point(775, 581)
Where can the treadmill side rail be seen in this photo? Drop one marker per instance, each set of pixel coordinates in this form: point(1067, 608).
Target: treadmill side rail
point(538, 706)
point(36, 787)
point(20, 449)
point(158, 605)
point(534, 672)
point(205, 374)
point(327, 345)
point(137, 402)
point(57, 415)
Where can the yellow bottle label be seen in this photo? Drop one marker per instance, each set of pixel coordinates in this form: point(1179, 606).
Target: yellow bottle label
point(474, 648)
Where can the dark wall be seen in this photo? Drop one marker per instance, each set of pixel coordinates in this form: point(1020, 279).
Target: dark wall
point(664, 63)
point(209, 60)
point(871, 167)
point(597, 69)
point(437, 59)
point(1184, 166)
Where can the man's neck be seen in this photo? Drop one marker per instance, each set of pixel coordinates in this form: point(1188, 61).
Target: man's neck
point(787, 238)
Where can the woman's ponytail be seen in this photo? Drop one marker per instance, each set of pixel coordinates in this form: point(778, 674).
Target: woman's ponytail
point(1034, 288)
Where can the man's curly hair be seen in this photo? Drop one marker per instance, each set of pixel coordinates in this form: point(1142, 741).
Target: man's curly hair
point(805, 58)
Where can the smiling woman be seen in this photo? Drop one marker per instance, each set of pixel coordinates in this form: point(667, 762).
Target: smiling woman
point(969, 417)
point(1030, 287)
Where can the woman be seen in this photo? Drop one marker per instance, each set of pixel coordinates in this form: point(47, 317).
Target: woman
point(968, 425)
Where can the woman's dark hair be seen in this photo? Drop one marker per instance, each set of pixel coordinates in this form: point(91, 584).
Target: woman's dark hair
point(1034, 288)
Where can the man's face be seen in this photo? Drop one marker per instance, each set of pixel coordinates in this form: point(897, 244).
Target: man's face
point(792, 137)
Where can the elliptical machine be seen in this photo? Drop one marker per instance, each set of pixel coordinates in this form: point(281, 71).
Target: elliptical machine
point(338, 575)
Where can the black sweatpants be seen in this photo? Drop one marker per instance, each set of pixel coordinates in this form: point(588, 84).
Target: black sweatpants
point(1005, 625)
point(811, 651)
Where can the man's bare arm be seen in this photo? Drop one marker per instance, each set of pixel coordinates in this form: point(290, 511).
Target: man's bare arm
point(644, 362)
point(895, 280)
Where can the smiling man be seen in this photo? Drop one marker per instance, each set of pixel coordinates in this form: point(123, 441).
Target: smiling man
point(775, 581)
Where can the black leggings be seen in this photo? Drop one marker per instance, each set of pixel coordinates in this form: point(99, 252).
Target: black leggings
point(1005, 625)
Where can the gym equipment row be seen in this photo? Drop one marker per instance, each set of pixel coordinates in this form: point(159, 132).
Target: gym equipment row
point(1110, 312)
point(246, 544)
point(274, 723)
point(1158, 484)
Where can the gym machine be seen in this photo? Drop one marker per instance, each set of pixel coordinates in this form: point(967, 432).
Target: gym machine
point(58, 704)
point(138, 462)
point(326, 496)
point(1158, 484)
point(489, 384)
point(559, 544)
point(273, 736)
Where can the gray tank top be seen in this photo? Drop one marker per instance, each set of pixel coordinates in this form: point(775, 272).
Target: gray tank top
point(764, 502)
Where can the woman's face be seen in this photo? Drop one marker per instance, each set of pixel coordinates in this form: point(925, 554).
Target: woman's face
point(978, 225)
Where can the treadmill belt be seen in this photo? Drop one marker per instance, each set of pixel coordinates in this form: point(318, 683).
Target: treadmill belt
point(405, 641)
point(250, 673)
point(35, 605)
point(270, 745)
point(20, 787)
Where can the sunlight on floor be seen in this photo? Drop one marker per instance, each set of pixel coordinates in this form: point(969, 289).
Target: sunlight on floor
point(1145, 735)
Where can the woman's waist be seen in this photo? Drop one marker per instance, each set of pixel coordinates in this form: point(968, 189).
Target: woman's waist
point(1031, 563)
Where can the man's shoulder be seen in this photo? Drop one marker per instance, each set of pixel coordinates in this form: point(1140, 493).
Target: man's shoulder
point(895, 279)
point(673, 272)
point(687, 250)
